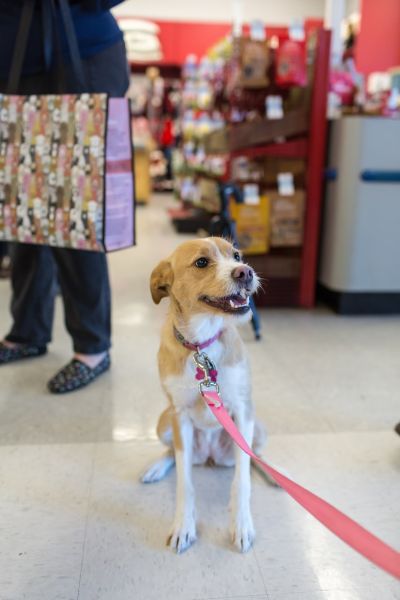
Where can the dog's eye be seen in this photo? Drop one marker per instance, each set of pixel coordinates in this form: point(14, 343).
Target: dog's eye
point(201, 263)
point(237, 257)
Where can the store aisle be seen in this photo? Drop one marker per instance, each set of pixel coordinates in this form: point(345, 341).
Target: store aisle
point(75, 523)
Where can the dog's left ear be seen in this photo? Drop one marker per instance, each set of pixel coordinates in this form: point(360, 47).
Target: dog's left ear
point(161, 280)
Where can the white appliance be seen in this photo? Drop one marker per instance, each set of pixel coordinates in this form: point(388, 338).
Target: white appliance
point(360, 248)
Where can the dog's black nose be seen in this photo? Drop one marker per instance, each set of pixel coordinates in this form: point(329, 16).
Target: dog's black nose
point(243, 274)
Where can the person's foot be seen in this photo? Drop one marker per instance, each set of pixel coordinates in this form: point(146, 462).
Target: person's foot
point(91, 360)
point(11, 352)
point(397, 428)
point(79, 372)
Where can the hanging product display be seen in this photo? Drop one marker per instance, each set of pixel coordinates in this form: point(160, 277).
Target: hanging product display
point(254, 63)
point(291, 67)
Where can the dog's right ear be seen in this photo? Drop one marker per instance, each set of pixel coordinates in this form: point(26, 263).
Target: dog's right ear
point(161, 280)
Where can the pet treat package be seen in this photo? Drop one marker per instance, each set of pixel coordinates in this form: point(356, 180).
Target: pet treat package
point(209, 195)
point(287, 218)
point(291, 66)
point(254, 62)
point(252, 225)
point(66, 171)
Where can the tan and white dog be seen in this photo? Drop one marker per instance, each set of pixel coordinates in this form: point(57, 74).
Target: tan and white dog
point(209, 287)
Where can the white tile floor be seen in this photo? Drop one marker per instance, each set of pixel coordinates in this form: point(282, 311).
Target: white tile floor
point(75, 523)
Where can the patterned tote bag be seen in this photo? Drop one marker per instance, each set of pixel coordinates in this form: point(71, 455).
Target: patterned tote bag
point(66, 165)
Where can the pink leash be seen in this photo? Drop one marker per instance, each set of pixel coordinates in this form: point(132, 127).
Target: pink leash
point(353, 534)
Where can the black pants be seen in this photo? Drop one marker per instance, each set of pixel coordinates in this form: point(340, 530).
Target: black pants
point(83, 275)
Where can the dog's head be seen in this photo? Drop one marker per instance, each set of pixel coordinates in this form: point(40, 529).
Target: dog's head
point(205, 276)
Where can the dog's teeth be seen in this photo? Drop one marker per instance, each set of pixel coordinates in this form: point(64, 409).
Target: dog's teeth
point(231, 302)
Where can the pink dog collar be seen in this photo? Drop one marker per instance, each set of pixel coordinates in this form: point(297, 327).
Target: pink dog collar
point(195, 347)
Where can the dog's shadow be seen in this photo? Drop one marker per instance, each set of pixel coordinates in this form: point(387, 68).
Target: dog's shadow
point(145, 512)
point(154, 515)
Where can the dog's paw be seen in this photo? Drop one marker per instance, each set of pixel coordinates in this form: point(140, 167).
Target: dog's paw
point(183, 535)
point(242, 531)
point(158, 470)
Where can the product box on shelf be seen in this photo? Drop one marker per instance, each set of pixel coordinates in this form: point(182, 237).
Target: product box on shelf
point(209, 197)
point(287, 218)
point(252, 225)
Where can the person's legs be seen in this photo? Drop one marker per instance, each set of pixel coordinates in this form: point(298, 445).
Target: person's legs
point(32, 303)
point(85, 288)
point(33, 286)
point(33, 278)
point(83, 275)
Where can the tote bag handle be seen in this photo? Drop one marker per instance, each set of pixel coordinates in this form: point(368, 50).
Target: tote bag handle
point(72, 44)
point(21, 41)
point(48, 14)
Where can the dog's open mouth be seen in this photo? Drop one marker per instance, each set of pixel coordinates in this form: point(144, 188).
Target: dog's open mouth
point(234, 304)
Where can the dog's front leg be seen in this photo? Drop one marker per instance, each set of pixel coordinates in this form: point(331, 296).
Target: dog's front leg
point(242, 529)
point(184, 528)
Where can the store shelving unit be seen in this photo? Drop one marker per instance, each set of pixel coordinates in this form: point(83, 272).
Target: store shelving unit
point(289, 273)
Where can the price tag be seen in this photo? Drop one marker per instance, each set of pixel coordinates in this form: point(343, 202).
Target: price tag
point(273, 107)
point(257, 31)
point(285, 184)
point(296, 31)
point(251, 193)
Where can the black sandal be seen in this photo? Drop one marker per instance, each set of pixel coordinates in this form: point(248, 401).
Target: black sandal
point(8, 355)
point(76, 375)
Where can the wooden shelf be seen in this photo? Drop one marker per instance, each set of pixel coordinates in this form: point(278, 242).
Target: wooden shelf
point(255, 133)
point(279, 293)
point(277, 265)
point(291, 278)
point(297, 148)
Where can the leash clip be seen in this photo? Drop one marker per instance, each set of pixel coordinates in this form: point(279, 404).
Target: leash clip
point(206, 374)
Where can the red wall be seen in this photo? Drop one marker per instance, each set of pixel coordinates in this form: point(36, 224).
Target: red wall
point(180, 38)
point(378, 44)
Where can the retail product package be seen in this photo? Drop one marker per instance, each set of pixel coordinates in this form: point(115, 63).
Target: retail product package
point(341, 83)
point(252, 225)
point(245, 169)
point(209, 195)
point(287, 218)
point(66, 171)
point(254, 63)
point(291, 66)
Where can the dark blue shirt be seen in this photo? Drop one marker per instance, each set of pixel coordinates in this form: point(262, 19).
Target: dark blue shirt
point(96, 29)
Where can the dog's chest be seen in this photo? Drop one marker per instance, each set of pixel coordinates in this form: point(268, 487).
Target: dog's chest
point(233, 381)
